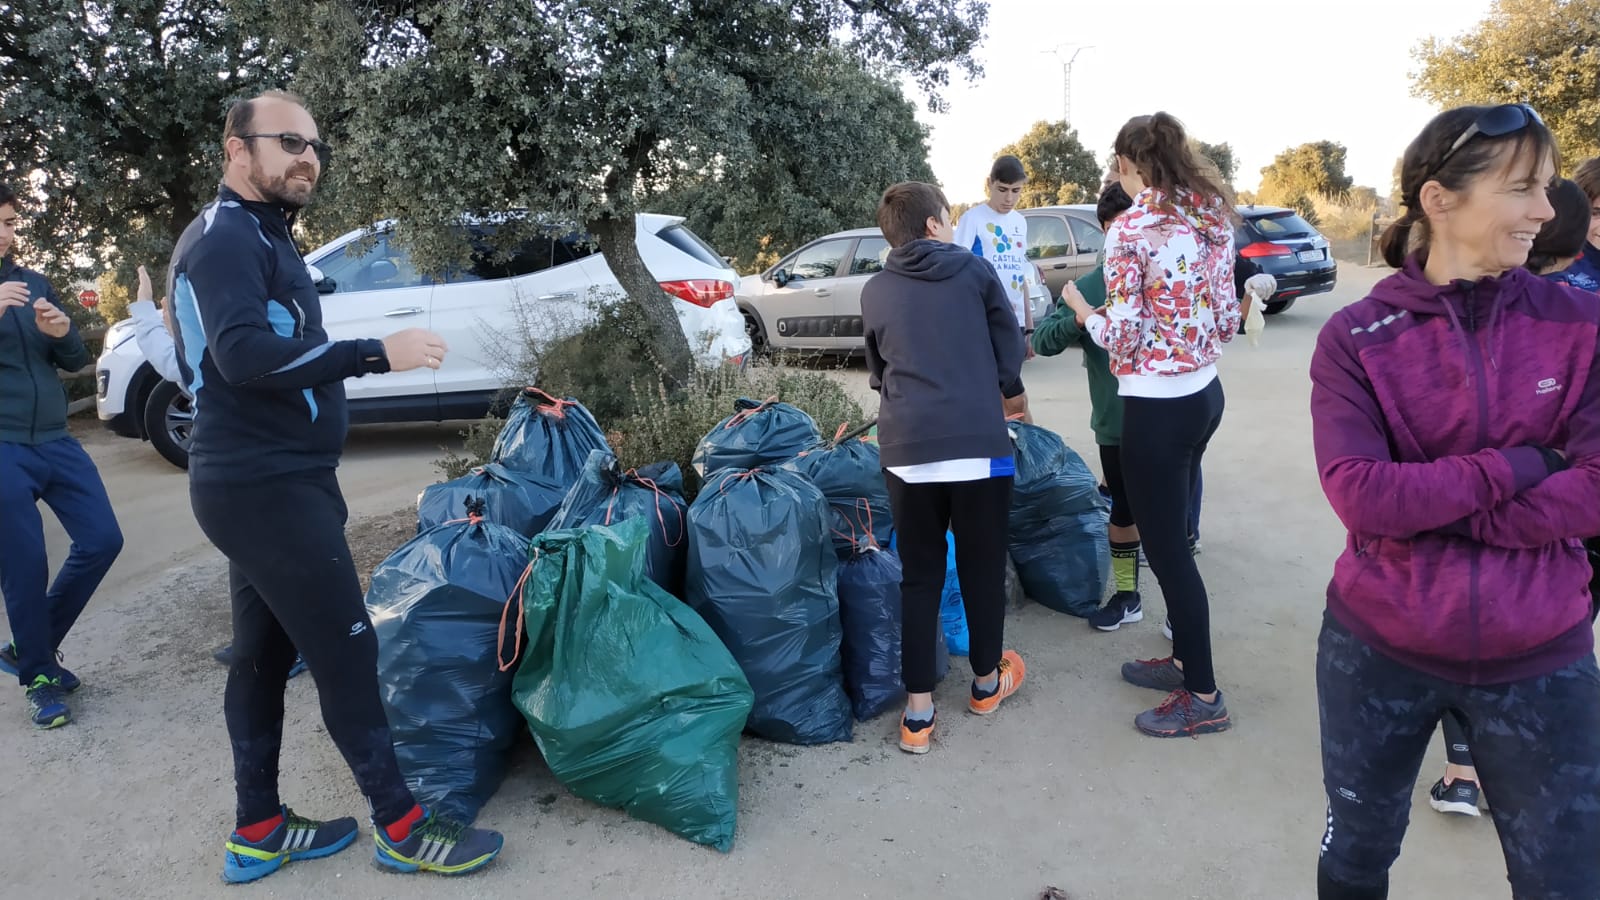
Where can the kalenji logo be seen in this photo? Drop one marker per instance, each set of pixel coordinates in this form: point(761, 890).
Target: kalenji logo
point(1548, 385)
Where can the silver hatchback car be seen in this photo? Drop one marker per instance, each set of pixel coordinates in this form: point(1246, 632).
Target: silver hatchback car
point(811, 299)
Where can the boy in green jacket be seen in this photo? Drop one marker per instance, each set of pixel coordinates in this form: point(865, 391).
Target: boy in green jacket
point(1052, 336)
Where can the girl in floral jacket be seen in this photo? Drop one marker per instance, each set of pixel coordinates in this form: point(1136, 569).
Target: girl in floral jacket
point(1170, 306)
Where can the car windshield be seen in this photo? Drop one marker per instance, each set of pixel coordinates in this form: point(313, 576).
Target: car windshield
point(1284, 224)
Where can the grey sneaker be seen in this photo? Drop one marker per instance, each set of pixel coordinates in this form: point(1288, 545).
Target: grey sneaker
point(1459, 797)
point(1183, 714)
point(1156, 674)
point(1123, 608)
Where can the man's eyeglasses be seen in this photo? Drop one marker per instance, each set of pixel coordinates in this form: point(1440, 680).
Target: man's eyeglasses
point(1497, 121)
point(294, 145)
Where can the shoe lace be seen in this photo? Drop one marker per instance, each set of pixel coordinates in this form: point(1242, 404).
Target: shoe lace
point(45, 691)
point(298, 821)
point(1161, 661)
point(1180, 700)
point(446, 831)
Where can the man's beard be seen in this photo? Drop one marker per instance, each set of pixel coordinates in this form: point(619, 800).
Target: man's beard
point(279, 190)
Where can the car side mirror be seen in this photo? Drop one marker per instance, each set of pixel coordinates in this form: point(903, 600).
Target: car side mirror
point(323, 283)
point(382, 270)
point(781, 277)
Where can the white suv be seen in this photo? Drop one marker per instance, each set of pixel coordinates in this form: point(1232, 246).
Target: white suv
point(372, 293)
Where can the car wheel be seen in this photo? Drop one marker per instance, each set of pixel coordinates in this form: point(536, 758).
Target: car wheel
point(758, 334)
point(169, 422)
point(1279, 306)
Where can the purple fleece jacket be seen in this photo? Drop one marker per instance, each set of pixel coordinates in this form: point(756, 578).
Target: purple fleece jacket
point(1429, 407)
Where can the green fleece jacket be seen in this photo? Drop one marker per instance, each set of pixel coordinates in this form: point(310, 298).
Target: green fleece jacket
point(1059, 331)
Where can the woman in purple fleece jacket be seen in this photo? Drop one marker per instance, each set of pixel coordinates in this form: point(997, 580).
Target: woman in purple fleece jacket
point(1456, 417)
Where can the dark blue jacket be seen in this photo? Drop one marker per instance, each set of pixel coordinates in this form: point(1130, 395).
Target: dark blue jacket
point(33, 401)
point(268, 384)
point(942, 346)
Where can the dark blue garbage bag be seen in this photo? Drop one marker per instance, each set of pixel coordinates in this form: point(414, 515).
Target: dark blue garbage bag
point(757, 434)
point(850, 474)
point(1058, 524)
point(764, 576)
point(606, 495)
point(522, 502)
point(436, 605)
point(548, 437)
point(870, 613)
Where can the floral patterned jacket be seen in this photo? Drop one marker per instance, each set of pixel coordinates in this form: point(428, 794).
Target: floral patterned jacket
point(1170, 302)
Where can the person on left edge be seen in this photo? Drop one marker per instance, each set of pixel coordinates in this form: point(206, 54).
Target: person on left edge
point(39, 460)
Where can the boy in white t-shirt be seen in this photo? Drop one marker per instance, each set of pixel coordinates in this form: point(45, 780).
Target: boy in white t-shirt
point(995, 231)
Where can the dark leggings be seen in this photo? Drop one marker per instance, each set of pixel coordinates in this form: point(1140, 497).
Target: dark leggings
point(976, 512)
point(1121, 512)
point(1163, 442)
point(1536, 743)
point(294, 586)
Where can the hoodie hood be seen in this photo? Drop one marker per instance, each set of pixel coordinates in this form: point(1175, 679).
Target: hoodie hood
point(1210, 218)
point(926, 259)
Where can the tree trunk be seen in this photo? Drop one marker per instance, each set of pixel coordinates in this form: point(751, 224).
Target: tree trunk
point(671, 346)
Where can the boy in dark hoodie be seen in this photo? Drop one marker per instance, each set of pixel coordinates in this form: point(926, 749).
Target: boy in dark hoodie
point(941, 337)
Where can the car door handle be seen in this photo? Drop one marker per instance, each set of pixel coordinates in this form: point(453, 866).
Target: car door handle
point(1059, 266)
point(403, 312)
point(822, 292)
point(560, 295)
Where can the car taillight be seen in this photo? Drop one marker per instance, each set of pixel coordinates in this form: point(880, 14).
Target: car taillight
point(699, 291)
point(1264, 248)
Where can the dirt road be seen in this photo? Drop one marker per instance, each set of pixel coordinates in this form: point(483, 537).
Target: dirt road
point(135, 798)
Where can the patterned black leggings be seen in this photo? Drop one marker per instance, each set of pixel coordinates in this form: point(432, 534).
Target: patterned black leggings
point(1536, 744)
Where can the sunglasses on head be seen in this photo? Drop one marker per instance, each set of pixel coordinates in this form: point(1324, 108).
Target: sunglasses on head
point(294, 145)
point(1497, 121)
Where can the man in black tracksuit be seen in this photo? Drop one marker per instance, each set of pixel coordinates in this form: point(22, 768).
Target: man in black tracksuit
point(270, 423)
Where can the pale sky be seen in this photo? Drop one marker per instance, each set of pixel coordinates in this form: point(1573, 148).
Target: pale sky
point(1262, 75)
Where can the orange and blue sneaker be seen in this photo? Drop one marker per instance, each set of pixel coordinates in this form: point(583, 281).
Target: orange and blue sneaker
point(1011, 673)
point(916, 735)
point(437, 844)
point(294, 838)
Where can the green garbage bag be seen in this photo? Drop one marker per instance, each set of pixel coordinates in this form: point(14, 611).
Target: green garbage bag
point(631, 697)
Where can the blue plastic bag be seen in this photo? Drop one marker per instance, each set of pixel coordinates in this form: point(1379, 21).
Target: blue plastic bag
point(757, 434)
point(520, 501)
point(871, 616)
point(436, 605)
point(608, 495)
point(763, 574)
point(1059, 521)
point(548, 437)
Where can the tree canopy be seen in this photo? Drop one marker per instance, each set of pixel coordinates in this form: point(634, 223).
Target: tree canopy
point(583, 111)
point(1307, 171)
point(1060, 169)
point(111, 123)
point(1542, 52)
point(831, 140)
